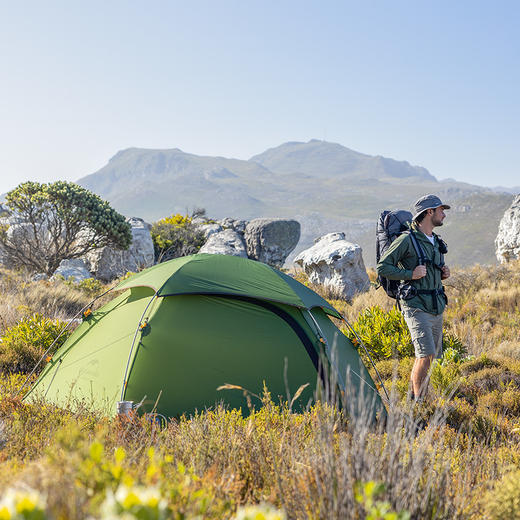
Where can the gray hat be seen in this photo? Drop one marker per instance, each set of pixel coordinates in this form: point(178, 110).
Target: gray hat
point(427, 202)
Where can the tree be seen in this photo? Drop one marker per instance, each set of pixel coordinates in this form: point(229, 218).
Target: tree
point(55, 221)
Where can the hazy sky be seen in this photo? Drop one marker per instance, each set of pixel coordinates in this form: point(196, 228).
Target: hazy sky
point(434, 83)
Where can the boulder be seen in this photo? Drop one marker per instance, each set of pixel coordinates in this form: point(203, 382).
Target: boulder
point(226, 242)
point(336, 264)
point(109, 263)
point(507, 243)
point(234, 224)
point(38, 277)
point(72, 268)
point(210, 229)
point(270, 240)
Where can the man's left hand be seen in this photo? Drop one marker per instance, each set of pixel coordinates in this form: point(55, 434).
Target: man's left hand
point(445, 272)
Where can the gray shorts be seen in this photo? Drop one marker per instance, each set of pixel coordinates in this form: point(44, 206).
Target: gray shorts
point(426, 332)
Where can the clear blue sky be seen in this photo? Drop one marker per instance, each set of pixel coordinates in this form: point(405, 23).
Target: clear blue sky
point(434, 83)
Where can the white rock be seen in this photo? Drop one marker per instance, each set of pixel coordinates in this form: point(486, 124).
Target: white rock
point(226, 242)
point(210, 229)
point(109, 263)
point(507, 243)
point(271, 240)
point(335, 263)
point(39, 277)
point(72, 268)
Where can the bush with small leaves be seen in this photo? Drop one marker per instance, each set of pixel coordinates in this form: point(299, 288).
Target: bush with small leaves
point(23, 344)
point(176, 236)
point(59, 220)
point(503, 501)
point(386, 335)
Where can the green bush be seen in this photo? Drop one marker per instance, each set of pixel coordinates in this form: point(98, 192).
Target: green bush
point(176, 236)
point(503, 501)
point(23, 344)
point(91, 287)
point(64, 220)
point(386, 335)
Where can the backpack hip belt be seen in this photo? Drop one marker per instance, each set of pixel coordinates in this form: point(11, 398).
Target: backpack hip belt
point(407, 292)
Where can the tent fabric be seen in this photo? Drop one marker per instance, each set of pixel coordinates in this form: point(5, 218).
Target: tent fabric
point(91, 364)
point(222, 274)
point(255, 346)
point(161, 343)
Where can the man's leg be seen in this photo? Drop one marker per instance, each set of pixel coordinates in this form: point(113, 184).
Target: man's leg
point(420, 376)
point(421, 331)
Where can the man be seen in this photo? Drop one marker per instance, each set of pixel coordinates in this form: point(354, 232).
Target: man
point(421, 295)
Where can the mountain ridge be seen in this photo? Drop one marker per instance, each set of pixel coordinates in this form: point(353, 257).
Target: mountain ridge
point(327, 186)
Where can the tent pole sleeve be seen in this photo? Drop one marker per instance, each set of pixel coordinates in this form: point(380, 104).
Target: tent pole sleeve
point(138, 328)
point(81, 311)
point(368, 355)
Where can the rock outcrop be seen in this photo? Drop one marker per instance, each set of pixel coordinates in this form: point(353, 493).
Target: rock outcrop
point(337, 264)
point(109, 263)
point(270, 240)
point(72, 268)
point(210, 229)
point(226, 242)
point(507, 243)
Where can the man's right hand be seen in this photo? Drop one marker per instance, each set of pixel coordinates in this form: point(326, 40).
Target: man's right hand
point(419, 272)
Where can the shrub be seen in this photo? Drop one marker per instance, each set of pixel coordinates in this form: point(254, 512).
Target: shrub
point(386, 335)
point(91, 287)
point(60, 220)
point(445, 376)
point(503, 501)
point(367, 494)
point(487, 380)
point(23, 344)
point(176, 236)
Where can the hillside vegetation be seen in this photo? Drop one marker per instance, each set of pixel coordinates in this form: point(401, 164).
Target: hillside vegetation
point(456, 456)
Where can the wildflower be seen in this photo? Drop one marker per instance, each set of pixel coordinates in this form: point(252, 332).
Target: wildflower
point(21, 505)
point(134, 502)
point(259, 512)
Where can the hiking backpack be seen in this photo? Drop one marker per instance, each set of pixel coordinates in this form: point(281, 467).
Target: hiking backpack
point(390, 225)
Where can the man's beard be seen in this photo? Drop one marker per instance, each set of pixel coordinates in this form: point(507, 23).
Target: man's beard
point(437, 223)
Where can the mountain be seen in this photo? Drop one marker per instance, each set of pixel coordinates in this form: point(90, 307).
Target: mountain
point(156, 183)
point(326, 186)
point(323, 159)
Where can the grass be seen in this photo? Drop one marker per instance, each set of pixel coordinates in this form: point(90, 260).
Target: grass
point(455, 456)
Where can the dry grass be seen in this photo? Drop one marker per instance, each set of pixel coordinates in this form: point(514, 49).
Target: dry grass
point(56, 300)
point(441, 460)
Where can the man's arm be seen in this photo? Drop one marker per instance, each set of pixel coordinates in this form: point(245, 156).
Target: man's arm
point(387, 265)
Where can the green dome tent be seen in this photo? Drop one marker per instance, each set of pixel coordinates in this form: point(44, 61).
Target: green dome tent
point(183, 328)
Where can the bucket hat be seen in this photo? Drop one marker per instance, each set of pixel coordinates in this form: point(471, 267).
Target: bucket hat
point(427, 202)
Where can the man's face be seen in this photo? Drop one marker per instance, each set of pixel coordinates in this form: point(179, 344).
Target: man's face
point(438, 216)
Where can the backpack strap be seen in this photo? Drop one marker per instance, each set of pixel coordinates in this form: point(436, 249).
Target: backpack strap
point(419, 251)
point(423, 260)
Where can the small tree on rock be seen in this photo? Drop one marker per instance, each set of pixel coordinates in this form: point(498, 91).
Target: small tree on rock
point(176, 236)
point(56, 221)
